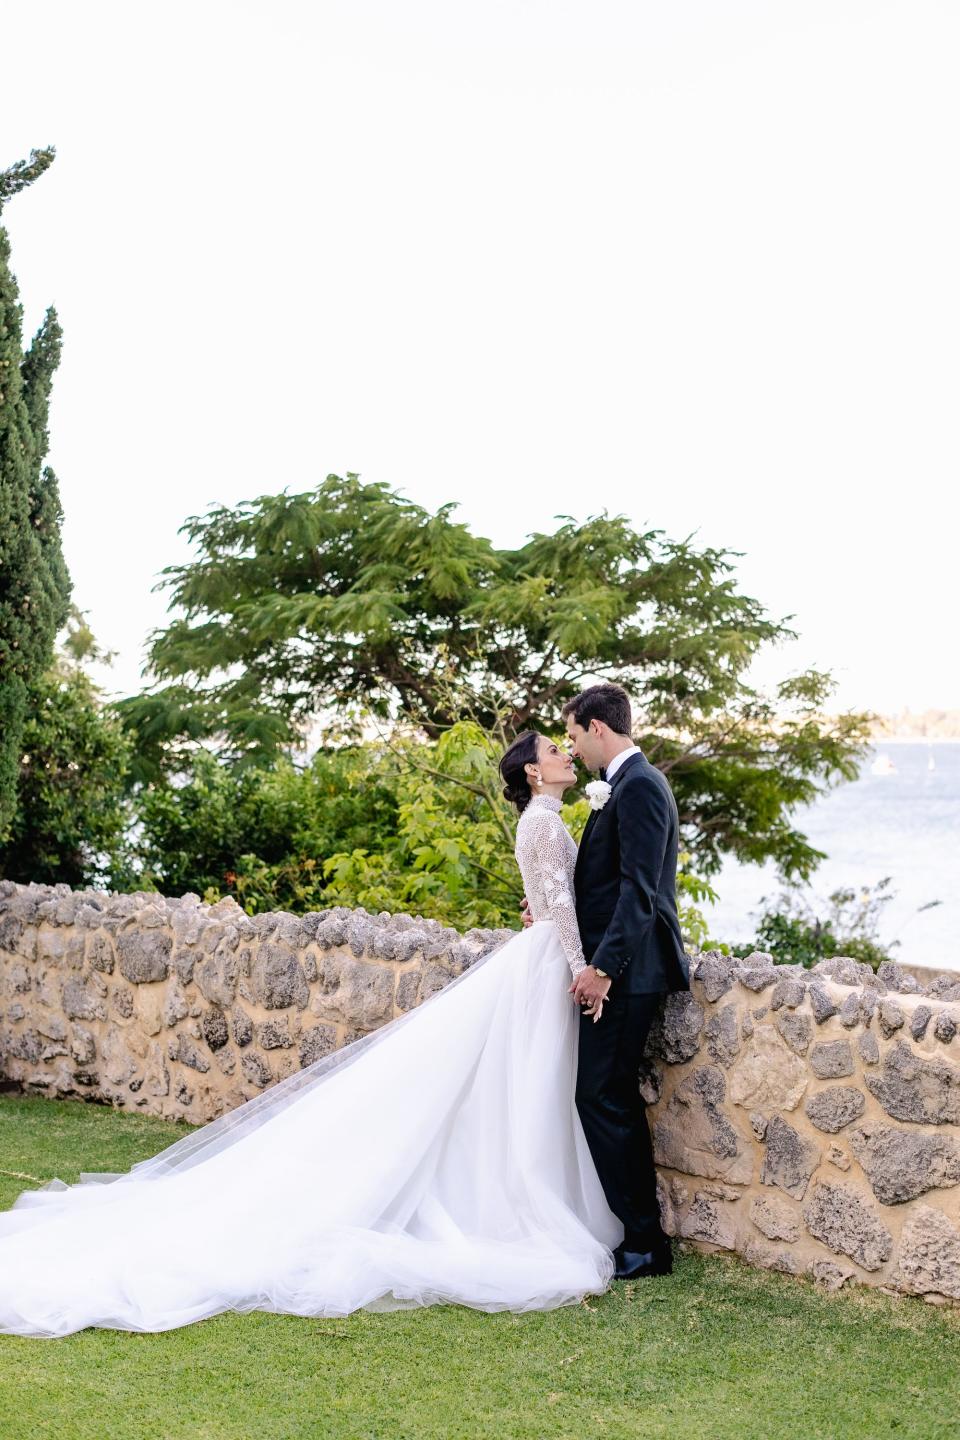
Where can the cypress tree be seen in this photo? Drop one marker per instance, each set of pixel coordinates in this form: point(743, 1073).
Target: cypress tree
point(34, 583)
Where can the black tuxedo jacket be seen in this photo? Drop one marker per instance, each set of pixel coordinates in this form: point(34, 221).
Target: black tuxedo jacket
point(626, 884)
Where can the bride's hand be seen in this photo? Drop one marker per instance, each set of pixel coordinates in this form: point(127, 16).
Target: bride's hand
point(595, 1010)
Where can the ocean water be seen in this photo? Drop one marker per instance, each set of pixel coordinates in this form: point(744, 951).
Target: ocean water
point(905, 824)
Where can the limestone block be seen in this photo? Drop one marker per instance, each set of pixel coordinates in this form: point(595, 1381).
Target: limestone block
point(175, 1007)
point(256, 1070)
point(80, 1003)
point(242, 1027)
point(919, 1021)
point(830, 1110)
point(789, 1158)
point(766, 1259)
point(821, 1003)
point(365, 994)
point(183, 1049)
point(868, 1048)
point(722, 1035)
point(710, 1220)
point(945, 1027)
point(838, 1157)
point(902, 1164)
point(787, 992)
point(316, 1042)
point(693, 1135)
point(100, 953)
point(144, 957)
point(797, 1030)
point(831, 1059)
point(774, 1219)
point(116, 1062)
point(848, 1225)
point(768, 1076)
point(82, 1045)
point(675, 1034)
point(890, 1016)
point(715, 972)
point(278, 979)
point(408, 989)
point(213, 1024)
point(831, 1276)
point(273, 1034)
point(18, 980)
point(928, 1261)
point(911, 1087)
point(215, 976)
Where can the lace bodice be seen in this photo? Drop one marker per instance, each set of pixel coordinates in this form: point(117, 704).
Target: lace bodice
point(547, 853)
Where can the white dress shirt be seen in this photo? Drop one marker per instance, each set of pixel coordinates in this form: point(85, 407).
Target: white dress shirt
point(618, 760)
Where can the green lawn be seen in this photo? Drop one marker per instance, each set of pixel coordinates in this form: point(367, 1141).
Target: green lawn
point(715, 1351)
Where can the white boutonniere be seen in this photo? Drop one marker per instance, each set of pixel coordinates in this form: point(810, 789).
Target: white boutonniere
point(598, 793)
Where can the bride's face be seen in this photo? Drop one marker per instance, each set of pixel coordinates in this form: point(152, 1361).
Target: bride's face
point(556, 767)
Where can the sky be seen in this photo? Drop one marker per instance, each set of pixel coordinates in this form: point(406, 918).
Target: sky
point(694, 263)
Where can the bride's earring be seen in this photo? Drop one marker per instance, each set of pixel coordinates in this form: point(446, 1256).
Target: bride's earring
point(539, 781)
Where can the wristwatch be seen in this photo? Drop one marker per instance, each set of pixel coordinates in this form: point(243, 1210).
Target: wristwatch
point(602, 973)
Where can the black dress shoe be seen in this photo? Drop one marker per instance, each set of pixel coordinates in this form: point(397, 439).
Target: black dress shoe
point(641, 1264)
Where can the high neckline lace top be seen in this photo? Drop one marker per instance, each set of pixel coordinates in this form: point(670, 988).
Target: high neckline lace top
point(547, 853)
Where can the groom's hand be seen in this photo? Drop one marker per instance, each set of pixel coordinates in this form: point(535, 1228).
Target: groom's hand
point(589, 987)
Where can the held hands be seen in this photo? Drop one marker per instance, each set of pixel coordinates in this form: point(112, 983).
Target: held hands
point(590, 991)
point(525, 917)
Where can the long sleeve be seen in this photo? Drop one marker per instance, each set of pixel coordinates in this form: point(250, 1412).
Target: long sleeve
point(546, 854)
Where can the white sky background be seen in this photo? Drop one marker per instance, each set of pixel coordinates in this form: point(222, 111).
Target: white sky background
point(695, 262)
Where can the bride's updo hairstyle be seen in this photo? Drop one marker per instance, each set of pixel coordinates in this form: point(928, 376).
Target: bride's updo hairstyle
point(516, 786)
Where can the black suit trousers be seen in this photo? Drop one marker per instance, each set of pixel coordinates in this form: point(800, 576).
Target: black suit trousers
point(613, 1114)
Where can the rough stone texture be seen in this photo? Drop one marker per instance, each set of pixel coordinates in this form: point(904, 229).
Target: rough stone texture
point(830, 1110)
point(693, 1135)
point(929, 1258)
point(722, 1034)
point(902, 1164)
point(789, 1159)
point(797, 1030)
point(836, 1215)
point(710, 1220)
point(185, 1010)
point(912, 1087)
point(675, 1035)
point(144, 955)
point(821, 1002)
point(774, 1219)
point(831, 1059)
point(768, 1075)
point(868, 1048)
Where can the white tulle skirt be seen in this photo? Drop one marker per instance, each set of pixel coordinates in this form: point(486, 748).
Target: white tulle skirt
point(440, 1159)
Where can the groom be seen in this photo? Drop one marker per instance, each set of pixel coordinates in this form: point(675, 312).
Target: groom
point(627, 912)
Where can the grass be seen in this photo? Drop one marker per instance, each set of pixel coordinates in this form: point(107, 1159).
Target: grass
point(716, 1352)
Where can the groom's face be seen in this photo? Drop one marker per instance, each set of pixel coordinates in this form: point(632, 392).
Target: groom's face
point(585, 745)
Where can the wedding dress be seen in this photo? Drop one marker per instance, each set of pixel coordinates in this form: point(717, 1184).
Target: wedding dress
point(440, 1159)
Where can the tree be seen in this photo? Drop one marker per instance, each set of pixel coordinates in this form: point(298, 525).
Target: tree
point(350, 600)
point(34, 584)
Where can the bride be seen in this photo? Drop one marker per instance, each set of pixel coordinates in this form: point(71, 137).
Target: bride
point(440, 1159)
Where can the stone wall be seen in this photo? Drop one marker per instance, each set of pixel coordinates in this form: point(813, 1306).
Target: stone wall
point(809, 1120)
point(185, 1010)
point(806, 1119)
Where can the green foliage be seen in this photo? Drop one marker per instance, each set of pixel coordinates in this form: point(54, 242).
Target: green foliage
point(793, 933)
point(260, 835)
point(71, 817)
point(34, 585)
point(348, 601)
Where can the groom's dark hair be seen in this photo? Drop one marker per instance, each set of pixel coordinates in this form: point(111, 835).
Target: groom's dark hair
point(609, 703)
